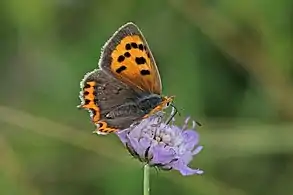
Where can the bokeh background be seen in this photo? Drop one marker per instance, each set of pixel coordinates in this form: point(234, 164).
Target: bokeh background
point(229, 63)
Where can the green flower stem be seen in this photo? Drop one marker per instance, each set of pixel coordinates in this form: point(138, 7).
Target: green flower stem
point(146, 180)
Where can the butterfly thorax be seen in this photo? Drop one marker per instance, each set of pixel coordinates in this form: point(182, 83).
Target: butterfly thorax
point(148, 103)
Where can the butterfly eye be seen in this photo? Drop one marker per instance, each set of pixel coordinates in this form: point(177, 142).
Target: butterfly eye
point(168, 104)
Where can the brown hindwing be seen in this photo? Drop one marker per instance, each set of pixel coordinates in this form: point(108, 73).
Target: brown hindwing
point(101, 94)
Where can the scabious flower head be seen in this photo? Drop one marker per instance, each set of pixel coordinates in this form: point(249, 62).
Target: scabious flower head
point(162, 145)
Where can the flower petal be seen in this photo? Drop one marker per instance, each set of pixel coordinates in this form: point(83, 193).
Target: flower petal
point(197, 150)
point(162, 155)
point(191, 139)
point(123, 136)
point(184, 169)
point(139, 147)
point(186, 157)
point(188, 171)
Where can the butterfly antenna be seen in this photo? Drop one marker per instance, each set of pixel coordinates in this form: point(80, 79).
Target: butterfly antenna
point(174, 112)
point(198, 123)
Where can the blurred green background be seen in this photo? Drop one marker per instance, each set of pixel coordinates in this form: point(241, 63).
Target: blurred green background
point(229, 64)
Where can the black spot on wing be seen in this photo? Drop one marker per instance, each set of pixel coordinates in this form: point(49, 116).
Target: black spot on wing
point(87, 101)
point(121, 58)
point(140, 60)
point(87, 86)
point(134, 45)
point(128, 46)
point(140, 46)
point(145, 72)
point(120, 69)
point(127, 54)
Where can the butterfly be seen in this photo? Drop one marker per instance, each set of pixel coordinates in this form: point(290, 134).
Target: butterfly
point(126, 87)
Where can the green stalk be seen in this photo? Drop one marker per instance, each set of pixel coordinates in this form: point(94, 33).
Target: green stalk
point(146, 180)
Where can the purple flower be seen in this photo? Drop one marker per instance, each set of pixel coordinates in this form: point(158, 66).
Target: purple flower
point(162, 145)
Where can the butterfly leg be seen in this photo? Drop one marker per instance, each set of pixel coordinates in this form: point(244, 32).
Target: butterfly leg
point(155, 110)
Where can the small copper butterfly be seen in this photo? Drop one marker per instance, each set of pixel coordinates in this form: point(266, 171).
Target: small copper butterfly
point(127, 86)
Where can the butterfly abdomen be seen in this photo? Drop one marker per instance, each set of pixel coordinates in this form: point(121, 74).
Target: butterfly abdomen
point(140, 108)
point(125, 110)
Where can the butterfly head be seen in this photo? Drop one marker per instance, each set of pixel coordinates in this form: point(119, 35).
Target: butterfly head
point(167, 101)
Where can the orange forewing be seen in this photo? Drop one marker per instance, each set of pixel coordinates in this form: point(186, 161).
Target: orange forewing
point(132, 64)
